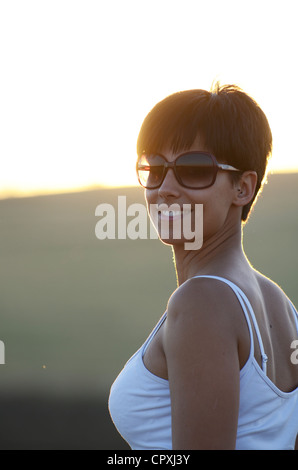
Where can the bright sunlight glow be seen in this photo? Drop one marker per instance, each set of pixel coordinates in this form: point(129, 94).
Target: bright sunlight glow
point(78, 77)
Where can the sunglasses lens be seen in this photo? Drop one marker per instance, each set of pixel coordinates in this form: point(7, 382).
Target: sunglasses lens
point(150, 171)
point(195, 170)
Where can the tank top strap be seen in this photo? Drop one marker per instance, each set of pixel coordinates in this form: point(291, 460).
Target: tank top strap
point(153, 333)
point(249, 315)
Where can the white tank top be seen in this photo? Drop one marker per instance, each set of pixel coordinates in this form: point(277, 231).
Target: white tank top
point(140, 404)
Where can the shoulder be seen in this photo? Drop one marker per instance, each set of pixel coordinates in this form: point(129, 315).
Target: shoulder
point(273, 293)
point(204, 299)
point(204, 317)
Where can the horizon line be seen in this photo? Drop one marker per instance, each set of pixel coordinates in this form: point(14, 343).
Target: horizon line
point(15, 193)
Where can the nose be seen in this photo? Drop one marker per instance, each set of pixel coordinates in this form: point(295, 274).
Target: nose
point(170, 186)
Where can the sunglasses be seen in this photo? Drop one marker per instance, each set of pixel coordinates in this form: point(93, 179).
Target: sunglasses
point(193, 170)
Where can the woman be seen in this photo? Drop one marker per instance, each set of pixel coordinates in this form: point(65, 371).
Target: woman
point(216, 372)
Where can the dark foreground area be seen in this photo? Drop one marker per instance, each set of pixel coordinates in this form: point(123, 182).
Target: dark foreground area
point(35, 423)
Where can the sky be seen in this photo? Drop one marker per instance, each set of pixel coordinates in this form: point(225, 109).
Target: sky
point(79, 76)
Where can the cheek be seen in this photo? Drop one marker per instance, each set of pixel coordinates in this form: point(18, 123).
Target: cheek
point(215, 213)
point(150, 197)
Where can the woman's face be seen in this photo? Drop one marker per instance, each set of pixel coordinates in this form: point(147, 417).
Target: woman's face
point(216, 201)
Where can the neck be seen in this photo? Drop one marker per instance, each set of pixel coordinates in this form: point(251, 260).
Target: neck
point(219, 255)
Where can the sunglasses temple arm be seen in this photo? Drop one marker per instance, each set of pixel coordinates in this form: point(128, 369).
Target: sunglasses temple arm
point(227, 167)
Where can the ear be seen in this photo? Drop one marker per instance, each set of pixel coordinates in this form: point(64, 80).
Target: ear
point(245, 188)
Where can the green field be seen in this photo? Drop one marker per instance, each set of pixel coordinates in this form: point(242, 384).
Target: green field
point(74, 308)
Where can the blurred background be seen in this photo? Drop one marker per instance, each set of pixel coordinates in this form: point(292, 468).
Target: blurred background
point(77, 78)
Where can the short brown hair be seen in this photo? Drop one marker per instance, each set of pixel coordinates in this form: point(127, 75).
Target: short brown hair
point(231, 123)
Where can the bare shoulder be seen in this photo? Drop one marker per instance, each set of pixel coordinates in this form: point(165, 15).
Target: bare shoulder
point(204, 313)
point(204, 299)
point(271, 287)
point(273, 294)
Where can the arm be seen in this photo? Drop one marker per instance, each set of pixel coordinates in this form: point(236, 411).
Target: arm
point(201, 350)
